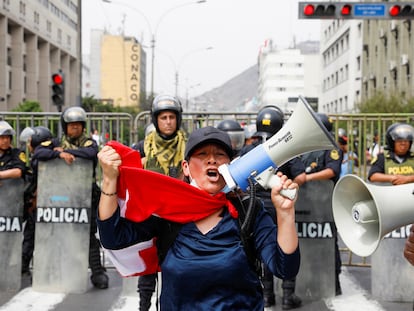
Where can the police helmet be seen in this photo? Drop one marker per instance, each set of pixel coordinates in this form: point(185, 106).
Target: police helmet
point(148, 129)
point(6, 129)
point(26, 134)
point(40, 135)
point(269, 121)
point(399, 131)
point(164, 103)
point(326, 121)
point(235, 131)
point(341, 132)
point(72, 114)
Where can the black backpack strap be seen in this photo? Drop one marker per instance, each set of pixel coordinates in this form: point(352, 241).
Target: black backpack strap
point(168, 233)
point(248, 208)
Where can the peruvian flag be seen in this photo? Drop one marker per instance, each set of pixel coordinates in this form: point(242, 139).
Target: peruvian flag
point(142, 193)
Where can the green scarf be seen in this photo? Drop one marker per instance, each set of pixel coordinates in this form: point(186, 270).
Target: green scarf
point(162, 154)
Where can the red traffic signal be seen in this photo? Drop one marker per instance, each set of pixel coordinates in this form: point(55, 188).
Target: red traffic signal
point(58, 89)
point(314, 10)
point(57, 78)
point(356, 10)
point(401, 10)
point(346, 10)
point(309, 10)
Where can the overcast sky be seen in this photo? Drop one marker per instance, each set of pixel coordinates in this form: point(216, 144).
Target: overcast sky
point(234, 30)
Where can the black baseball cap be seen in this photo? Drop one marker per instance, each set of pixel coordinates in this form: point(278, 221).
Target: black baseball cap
point(208, 134)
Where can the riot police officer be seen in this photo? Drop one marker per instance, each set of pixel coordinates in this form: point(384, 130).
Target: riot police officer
point(75, 143)
point(326, 165)
point(163, 152)
point(269, 121)
point(12, 160)
point(396, 164)
point(236, 133)
point(41, 143)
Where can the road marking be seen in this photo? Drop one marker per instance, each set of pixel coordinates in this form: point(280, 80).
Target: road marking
point(30, 300)
point(353, 296)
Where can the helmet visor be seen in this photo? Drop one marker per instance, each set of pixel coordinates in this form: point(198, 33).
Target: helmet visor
point(237, 139)
point(403, 131)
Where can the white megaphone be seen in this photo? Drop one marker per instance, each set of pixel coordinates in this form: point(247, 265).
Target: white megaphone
point(365, 213)
point(302, 133)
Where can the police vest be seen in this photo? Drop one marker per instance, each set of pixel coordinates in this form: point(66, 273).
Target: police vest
point(393, 168)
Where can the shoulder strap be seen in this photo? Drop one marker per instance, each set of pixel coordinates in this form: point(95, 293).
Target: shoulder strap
point(168, 232)
point(248, 210)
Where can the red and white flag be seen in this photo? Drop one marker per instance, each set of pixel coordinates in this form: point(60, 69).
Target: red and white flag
point(142, 193)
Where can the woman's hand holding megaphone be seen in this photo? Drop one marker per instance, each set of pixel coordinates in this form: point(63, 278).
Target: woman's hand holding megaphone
point(285, 213)
point(268, 179)
point(281, 191)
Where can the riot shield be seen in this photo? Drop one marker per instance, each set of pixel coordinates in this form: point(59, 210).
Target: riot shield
point(11, 233)
point(315, 226)
point(64, 196)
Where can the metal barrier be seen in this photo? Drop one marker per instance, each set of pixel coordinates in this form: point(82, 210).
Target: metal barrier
point(111, 126)
point(123, 127)
point(194, 120)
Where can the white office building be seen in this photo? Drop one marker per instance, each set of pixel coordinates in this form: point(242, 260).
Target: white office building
point(341, 52)
point(286, 74)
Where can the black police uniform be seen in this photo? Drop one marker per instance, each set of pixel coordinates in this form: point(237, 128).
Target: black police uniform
point(317, 161)
point(13, 158)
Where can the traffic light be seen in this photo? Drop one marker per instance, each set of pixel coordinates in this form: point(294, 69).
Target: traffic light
point(356, 10)
point(401, 10)
point(58, 89)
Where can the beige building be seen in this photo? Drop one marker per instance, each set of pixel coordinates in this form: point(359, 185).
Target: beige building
point(38, 38)
point(387, 59)
point(363, 57)
point(122, 70)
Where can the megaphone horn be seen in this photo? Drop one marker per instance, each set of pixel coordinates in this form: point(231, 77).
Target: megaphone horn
point(302, 133)
point(365, 213)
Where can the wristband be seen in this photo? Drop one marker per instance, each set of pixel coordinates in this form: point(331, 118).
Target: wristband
point(108, 194)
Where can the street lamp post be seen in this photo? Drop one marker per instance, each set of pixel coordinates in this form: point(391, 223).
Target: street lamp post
point(183, 58)
point(154, 33)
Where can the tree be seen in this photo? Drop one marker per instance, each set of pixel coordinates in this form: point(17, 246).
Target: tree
point(381, 103)
point(90, 104)
point(28, 106)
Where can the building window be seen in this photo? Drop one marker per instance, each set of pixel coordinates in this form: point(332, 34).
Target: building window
point(22, 8)
point(36, 18)
point(6, 4)
point(9, 57)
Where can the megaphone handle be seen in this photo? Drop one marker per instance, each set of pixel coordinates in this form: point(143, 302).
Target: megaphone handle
point(287, 193)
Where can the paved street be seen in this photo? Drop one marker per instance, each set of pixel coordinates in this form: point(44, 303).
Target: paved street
point(355, 285)
point(121, 295)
